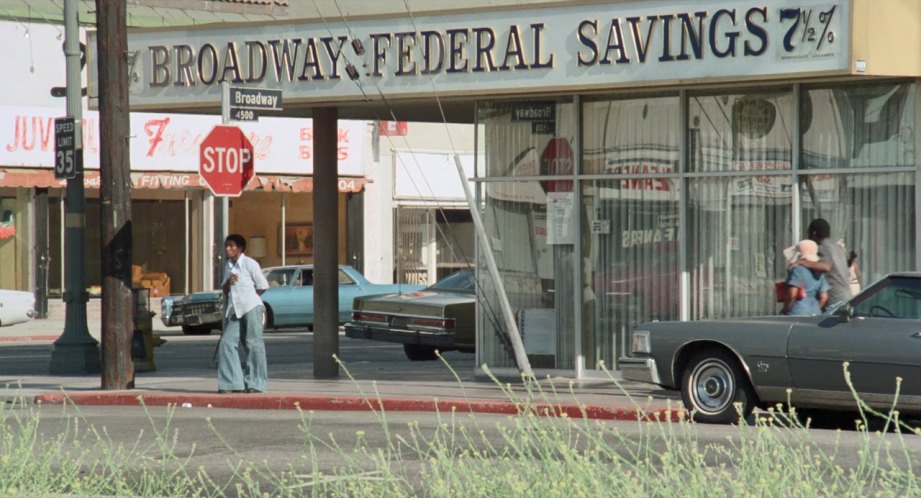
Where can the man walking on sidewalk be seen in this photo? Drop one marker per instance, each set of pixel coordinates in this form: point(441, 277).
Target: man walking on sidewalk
point(243, 284)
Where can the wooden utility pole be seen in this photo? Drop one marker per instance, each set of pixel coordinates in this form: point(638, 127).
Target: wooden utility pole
point(115, 176)
point(326, 244)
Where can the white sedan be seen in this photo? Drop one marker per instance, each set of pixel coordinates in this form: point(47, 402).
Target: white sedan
point(16, 307)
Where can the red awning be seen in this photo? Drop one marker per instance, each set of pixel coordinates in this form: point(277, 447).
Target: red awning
point(44, 178)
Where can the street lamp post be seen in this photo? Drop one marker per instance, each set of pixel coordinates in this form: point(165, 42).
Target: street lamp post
point(76, 352)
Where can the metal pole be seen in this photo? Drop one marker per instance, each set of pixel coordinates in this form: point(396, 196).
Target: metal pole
point(524, 366)
point(185, 244)
point(76, 352)
point(222, 212)
point(115, 193)
point(42, 253)
point(326, 245)
point(284, 214)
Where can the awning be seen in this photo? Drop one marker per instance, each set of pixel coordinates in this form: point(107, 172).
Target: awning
point(44, 178)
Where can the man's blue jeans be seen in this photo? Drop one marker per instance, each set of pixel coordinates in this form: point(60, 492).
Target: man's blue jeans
point(231, 376)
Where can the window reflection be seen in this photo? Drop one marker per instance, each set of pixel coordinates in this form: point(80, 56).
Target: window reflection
point(740, 132)
point(630, 250)
point(859, 126)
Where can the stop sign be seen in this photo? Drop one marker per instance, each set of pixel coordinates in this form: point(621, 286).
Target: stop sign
point(556, 159)
point(226, 160)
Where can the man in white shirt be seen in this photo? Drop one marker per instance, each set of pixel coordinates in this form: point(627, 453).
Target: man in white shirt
point(243, 284)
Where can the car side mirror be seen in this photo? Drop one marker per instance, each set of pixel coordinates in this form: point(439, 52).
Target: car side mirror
point(845, 312)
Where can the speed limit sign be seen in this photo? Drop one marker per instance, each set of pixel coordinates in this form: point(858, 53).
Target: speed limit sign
point(66, 157)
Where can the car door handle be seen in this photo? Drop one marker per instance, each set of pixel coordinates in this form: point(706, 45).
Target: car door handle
point(916, 335)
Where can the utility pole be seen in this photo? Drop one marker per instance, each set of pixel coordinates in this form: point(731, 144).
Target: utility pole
point(76, 352)
point(326, 244)
point(115, 193)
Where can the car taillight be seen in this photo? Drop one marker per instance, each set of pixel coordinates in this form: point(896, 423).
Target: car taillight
point(359, 316)
point(435, 323)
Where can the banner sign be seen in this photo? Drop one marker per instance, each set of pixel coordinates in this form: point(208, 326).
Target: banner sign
point(170, 142)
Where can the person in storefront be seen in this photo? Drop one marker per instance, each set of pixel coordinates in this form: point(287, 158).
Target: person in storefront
point(807, 290)
point(832, 263)
point(243, 283)
point(854, 271)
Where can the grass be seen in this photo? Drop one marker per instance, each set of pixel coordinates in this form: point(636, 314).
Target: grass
point(533, 455)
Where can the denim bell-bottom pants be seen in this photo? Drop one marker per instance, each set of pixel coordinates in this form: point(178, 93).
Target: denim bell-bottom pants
point(253, 374)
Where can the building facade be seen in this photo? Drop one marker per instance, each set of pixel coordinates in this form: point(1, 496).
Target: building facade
point(636, 160)
point(173, 211)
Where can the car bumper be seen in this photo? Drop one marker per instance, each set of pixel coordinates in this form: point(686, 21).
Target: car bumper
point(639, 370)
point(361, 331)
point(203, 319)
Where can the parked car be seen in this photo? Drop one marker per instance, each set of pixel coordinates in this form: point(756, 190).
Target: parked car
point(288, 301)
point(775, 359)
point(16, 307)
point(441, 317)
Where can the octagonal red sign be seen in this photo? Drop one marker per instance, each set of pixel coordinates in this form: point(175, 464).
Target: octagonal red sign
point(226, 160)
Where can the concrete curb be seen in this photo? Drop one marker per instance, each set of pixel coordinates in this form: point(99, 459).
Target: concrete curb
point(356, 403)
point(30, 338)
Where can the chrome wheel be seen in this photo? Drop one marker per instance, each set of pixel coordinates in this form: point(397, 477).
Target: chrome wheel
point(713, 386)
point(715, 389)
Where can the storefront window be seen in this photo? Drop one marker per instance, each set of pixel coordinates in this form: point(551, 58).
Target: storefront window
point(15, 247)
point(866, 126)
point(736, 232)
point(532, 229)
point(872, 215)
point(631, 137)
point(738, 225)
point(535, 261)
point(647, 226)
point(740, 132)
point(630, 261)
point(630, 249)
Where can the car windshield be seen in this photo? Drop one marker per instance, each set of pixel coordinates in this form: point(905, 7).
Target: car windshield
point(462, 281)
point(894, 297)
point(279, 276)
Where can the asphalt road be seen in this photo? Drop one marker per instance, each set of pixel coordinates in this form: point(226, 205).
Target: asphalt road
point(287, 354)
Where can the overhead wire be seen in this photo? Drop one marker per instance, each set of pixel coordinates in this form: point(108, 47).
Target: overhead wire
point(489, 307)
point(389, 139)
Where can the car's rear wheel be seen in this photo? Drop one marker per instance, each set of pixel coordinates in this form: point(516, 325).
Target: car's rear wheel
point(197, 329)
point(418, 352)
point(712, 384)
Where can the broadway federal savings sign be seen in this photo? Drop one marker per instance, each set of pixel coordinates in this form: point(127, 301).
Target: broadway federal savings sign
point(567, 47)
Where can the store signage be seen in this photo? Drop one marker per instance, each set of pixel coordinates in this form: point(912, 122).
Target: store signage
point(170, 142)
point(582, 46)
point(226, 161)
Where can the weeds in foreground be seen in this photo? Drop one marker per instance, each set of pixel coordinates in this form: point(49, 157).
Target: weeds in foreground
point(531, 454)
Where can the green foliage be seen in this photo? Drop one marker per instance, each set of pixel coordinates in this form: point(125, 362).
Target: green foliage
point(538, 455)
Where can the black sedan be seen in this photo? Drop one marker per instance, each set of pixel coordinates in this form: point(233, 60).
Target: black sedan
point(441, 317)
point(725, 368)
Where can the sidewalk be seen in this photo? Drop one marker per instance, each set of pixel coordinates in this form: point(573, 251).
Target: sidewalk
point(394, 385)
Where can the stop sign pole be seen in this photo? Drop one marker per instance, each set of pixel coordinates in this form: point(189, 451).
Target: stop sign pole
point(222, 209)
